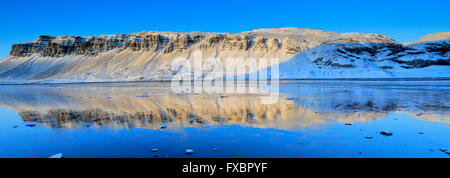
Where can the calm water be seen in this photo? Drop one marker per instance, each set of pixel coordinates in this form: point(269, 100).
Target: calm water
point(311, 119)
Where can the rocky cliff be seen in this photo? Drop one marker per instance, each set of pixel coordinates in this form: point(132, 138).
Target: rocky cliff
point(147, 56)
point(287, 40)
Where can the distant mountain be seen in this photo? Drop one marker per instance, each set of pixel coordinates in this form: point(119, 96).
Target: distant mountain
point(303, 53)
point(434, 37)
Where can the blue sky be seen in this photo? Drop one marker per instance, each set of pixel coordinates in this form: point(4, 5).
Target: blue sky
point(403, 20)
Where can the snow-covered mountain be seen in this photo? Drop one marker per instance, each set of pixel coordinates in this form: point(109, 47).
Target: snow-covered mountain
point(303, 53)
point(371, 60)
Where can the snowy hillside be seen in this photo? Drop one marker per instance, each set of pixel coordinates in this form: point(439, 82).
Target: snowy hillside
point(371, 60)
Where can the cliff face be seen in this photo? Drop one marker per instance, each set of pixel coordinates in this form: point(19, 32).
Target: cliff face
point(148, 55)
point(48, 46)
point(288, 40)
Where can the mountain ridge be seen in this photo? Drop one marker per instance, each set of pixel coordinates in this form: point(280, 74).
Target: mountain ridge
point(146, 40)
point(147, 56)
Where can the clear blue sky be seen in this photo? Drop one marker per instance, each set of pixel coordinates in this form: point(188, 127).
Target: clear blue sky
point(403, 20)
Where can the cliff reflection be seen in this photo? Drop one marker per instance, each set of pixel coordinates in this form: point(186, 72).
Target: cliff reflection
point(148, 105)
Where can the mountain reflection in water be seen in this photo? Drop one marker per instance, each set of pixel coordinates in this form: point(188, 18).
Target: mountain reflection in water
point(149, 105)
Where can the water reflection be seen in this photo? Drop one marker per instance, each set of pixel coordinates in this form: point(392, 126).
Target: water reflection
point(149, 105)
